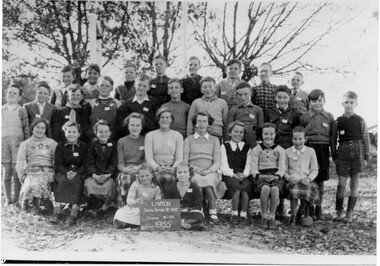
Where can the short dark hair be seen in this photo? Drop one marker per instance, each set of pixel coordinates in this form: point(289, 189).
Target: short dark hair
point(297, 73)
point(210, 118)
point(39, 120)
point(351, 95)
point(43, 84)
point(71, 124)
point(134, 115)
point(108, 78)
point(17, 86)
point(259, 132)
point(242, 85)
point(183, 164)
point(234, 124)
point(67, 68)
point(94, 67)
point(143, 77)
point(299, 129)
point(207, 79)
point(193, 57)
point(233, 61)
point(163, 109)
point(282, 88)
point(315, 94)
point(266, 64)
point(160, 57)
point(75, 87)
point(175, 80)
point(103, 123)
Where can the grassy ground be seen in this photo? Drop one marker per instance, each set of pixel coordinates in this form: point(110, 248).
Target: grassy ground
point(25, 232)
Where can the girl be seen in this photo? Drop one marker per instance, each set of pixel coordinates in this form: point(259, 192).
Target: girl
point(268, 167)
point(35, 165)
point(131, 154)
point(301, 169)
point(91, 92)
point(189, 195)
point(143, 190)
point(235, 170)
point(202, 151)
point(70, 157)
point(101, 167)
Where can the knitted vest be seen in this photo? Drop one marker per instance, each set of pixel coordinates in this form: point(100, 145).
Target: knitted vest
point(350, 128)
point(236, 159)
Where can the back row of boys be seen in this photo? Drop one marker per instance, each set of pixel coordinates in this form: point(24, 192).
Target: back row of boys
point(228, 100)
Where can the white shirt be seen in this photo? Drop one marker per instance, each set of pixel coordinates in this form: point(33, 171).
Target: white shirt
point(41, 107)
point(196, 135)
point(225, 168)
point(135, 99)
point(298, 152)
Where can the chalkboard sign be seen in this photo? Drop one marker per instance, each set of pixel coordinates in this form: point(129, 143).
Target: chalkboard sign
point(161, 215)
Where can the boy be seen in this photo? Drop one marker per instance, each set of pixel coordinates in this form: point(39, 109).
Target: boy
point(159, 84)
point(127, 90)
point(225, 89)
point(217, 108)
point(298, 97)
point(263, 95)
point(40, 107)
point(59, 97)
point(91, 87)
point(179, 108)
point(285, 118)
point(318, 124)
point(190, 83)
point(352, 155)
point(141, 103)
point(251, 115)
point(15, 129)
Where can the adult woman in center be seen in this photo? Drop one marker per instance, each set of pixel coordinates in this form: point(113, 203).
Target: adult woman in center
point(202, 152)
point(164, 148)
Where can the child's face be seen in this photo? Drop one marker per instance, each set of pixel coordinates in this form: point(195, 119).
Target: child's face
point(193, 67)
point(298, 140)
point(265, 73)
point(103, 133)
point(208, 89)
point(42, 94)
point(317, 105)
point(237, 133)
point(134, 127)
point(244, 95)
point(202, 124)
point(159, 66)
point(39, 130)
point(233, 71)
point(296, 81)
point(145, 177)
point(183, 174)
point(72, 134)
point(349, 105)
point(13, 95)
point(130, 74)
point(282, 99)
point(165, 120)
point(92, 76)
point(105, 88)
point(269, 134)
point(67, 78)
point(175, 90)
point(142, 87)
point(75, 97)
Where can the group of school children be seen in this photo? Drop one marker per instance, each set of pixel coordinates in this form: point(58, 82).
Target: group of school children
point(231, 141)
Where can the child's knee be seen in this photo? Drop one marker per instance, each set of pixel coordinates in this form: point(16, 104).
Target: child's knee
point(265, 190)
point(274, 191)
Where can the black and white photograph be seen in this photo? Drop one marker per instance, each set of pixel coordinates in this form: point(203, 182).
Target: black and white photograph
point(202, 132)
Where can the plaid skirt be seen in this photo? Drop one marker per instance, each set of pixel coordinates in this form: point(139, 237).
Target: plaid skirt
point(37, 182)
point(123, 184)
point(309, 192)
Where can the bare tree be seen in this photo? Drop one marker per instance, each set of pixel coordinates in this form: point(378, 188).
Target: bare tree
point(279, 32)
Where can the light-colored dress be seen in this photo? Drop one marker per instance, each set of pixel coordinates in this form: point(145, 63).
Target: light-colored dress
point(131, 213)
point(35, 165)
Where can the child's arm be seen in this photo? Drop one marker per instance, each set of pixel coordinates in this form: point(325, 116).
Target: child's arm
point(186, 150)
point(224, 167)
point(254, 162)
point(313, 165)
point(281, 162)
point(334, 139)
point(21, 161)
point(216, 156)
point(178, 151)
point(286, 175)
point(24, 123)
point(192, 112)
point(149, 151)
point(120, 156)
point(247, 163)
point(132, 193)
point(158, 194)
point(366, 141)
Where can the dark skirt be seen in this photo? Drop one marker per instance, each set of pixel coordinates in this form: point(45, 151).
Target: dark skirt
point(233, 185)
point(350, 159)
point(309, 192)
point(68, 191)
point(276, 183)
point(323, 152)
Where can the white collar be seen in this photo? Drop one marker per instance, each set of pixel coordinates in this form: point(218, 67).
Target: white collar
point(196, 135)
point(234, 144)
point(41, 104)
point(298, 151)
point(146, 98)
point(286, 107)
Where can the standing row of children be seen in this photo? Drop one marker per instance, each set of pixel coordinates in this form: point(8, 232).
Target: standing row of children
point(229, 100)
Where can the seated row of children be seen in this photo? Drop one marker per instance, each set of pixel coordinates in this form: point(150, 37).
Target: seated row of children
point(278, 105)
